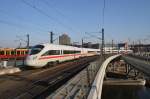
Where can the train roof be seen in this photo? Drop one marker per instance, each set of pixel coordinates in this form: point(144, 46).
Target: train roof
point(13, 49)
point(67, 47)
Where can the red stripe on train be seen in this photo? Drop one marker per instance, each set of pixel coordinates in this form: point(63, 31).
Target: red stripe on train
point(12, 56)
point(59, 56)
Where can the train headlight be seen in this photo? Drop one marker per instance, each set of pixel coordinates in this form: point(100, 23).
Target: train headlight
point(34, 57)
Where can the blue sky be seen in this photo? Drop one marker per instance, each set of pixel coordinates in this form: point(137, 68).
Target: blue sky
point(124, 20)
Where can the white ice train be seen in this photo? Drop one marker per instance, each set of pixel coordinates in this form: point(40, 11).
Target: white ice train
point(44, 54)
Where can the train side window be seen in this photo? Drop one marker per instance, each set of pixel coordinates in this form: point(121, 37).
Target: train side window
point(46, 53)
point(61, 52)
point(52, 52)
point(7, 52)
point(71, 52)
point(77, 51)
point(22, 52)
point(1, 52)
point(12, 52)
point(26, 52)
point(67, 52)
point(18, 52)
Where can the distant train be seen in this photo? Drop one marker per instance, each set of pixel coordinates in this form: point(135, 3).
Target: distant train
point(7, 53)
point(44, 54)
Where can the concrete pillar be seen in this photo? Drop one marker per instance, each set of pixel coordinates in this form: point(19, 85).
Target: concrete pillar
point(5, 64)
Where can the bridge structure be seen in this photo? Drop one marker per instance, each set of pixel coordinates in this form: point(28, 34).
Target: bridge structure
point(139, 64)
point(136, 65)
point(88, 84)
point(96, 88)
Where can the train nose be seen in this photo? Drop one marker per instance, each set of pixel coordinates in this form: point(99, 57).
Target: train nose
point(29, 61)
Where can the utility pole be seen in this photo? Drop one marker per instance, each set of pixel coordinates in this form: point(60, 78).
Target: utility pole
point(82, 42)
point(51, 37)
point(28, 40)
point(133, 47)
point(102, 46)
point(112, 45)
point(139, 48)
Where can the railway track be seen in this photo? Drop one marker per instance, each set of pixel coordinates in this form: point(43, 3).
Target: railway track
point(145, 58)
point(40, 83)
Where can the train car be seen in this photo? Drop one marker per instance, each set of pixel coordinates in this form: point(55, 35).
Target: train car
point(44, 54)
point(7, 53)
point(125, 51)
point(120, 51)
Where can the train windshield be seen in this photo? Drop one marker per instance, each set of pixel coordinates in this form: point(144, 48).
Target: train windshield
point(36, 49)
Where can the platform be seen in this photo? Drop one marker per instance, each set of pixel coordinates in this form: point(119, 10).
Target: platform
point(9, 70)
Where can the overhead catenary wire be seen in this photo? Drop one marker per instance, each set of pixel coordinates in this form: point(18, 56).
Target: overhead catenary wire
point(56, 10)
point(21, 26)
point(11, 24)
point(37, 26)
point(47, 15)
point(91, 35)
point(50, 5)
point(14, 25)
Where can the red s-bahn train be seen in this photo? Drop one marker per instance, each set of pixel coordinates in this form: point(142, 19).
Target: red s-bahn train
point(7, 53)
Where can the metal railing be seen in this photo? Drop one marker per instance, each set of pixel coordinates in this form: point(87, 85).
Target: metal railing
point(9, 62)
